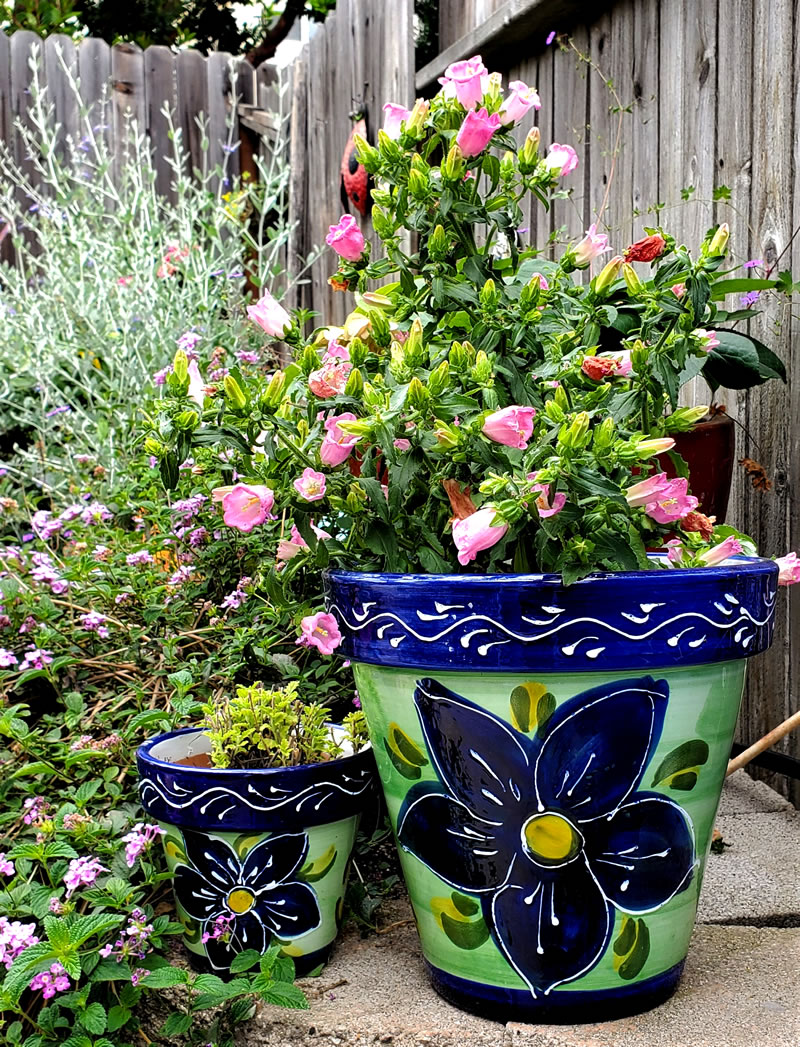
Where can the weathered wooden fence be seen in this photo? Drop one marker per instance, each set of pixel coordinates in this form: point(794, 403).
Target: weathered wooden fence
point(123, 87)
point(362, 57)
point(712, 89)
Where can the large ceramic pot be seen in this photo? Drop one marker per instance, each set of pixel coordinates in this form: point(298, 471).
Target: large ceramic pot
point(552, 760)
point(266, 849)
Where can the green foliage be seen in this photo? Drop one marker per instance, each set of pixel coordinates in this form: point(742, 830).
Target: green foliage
point(109, 276)
point(273, 727)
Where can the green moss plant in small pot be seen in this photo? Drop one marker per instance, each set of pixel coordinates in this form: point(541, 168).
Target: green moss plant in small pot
point(260, 806)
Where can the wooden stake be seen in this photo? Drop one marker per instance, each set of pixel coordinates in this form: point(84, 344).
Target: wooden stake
point(764, 743)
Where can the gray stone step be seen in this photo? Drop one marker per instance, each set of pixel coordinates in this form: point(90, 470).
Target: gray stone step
point(741, 987)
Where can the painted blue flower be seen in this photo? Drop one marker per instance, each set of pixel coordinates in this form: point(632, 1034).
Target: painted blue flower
point(256, 894)
point(550, 832)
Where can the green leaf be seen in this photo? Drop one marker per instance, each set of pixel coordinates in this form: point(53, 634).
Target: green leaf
point(734, 363)
point(111, 971)
point(176, 1024)
point(34, 959)
point(94, 1019)
point(83, 927)
point(679, 768)
point(243, 961)
point(117, 1017)
point(770, 365)
point(58, 933)
point(283, 995)
point(165, 978)
point(209, 982)
point(740, 285)
point(321, 866)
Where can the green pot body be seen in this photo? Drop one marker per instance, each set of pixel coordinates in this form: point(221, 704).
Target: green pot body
point(267, 850)
point(553, 826)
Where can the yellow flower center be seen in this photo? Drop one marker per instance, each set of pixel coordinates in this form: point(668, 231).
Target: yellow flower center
point(240, 900)
point(550, 838)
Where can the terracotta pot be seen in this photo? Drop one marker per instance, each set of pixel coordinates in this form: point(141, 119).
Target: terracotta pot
point(709, 450)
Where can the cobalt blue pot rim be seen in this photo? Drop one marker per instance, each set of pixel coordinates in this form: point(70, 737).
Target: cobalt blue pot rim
point(144, 754)
point(733, 567)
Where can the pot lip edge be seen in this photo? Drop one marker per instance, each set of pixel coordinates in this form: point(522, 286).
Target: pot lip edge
point(144, 757)
point(741, 565)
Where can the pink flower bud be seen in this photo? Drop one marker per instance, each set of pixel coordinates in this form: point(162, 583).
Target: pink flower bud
point(467, 81)
point(562, 159)
point(708, 339)
point(477, 532)
point(393, 117)
point(646, 490)
point(346, 238)
point(730, 547)
point(590, 247)
point(270, 315)
point(476, 131)
point(520, 100)
point(789, 569)
point(511, 426)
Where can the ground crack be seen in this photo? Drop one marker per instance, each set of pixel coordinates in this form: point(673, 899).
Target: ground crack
point(783, 919)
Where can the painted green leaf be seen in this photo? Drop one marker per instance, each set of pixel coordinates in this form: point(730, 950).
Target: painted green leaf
point(319, 867)
point(466, 906)
point(631, 948)
point(452, 914)
point(406, 756)
point(173, 848)
point(407, 748)
point(680, 768)
point(464, 934)
point(532, 705)
point(243, 843)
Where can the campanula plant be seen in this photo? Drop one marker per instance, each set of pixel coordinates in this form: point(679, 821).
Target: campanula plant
point(483, 407)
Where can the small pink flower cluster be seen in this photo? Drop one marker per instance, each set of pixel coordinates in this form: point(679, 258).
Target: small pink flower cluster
point(173, 257)
point(36, 658)
point(7, 658)
point(73, 821)
point(94, 622)
point(221, 929)
point(44, 570)
point(234, 600)
point(138, 840)
point(52, 981)
point(139, 558)
point(134, 940)
point(37, 810)
point(82, 872)
point(86, 741)
point(7, 868)
point(789, 567)
point(15, 937)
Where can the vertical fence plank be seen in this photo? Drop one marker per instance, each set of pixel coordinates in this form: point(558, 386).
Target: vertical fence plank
point(570, 100)
point(192, 106)
point(544, 224)
point(6, 245)
point(733, 169)
point(25, 49)
point(791, 596)
point(220, 132)
point(61, 71)
point(128, 103)
point(298, 183)
point(161, 91)
point(768, 416)
point(645, 149)
point(94, 74)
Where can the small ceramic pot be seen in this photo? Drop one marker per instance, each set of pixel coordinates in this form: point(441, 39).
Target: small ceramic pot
point(256, 854)
point(709, 450)
point(552, 758)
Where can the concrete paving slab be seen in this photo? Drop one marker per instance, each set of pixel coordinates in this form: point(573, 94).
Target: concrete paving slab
point(744, 795)
point(741, 989)
point(757, 878)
